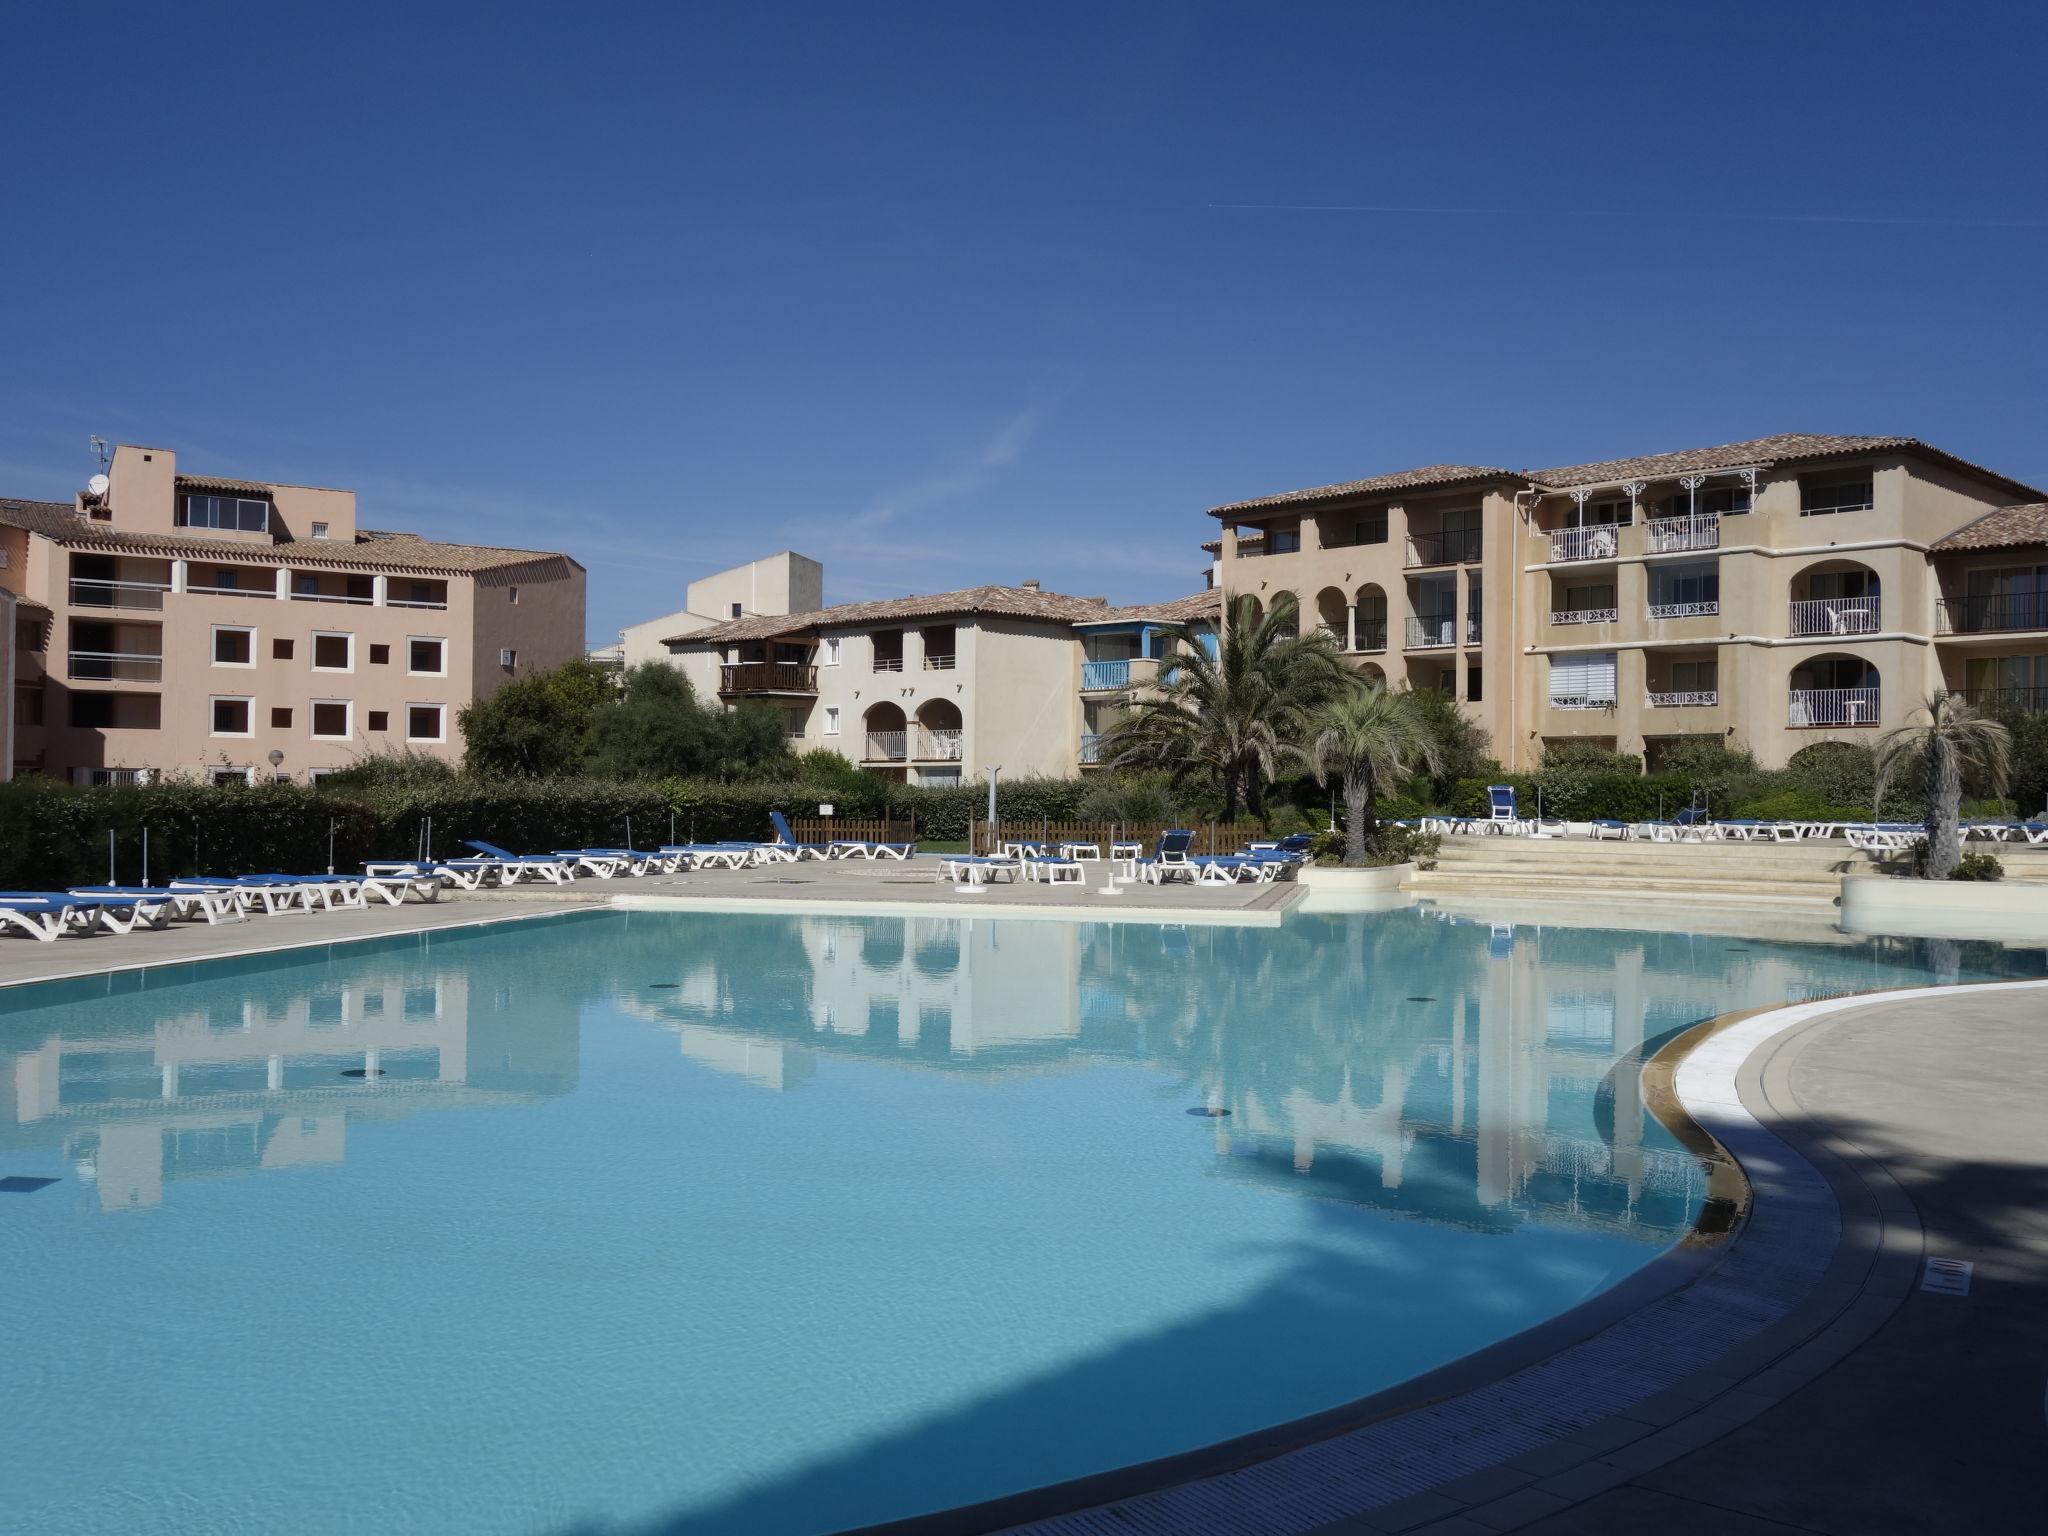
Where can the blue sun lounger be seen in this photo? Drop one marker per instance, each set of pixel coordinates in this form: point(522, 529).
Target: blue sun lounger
point(1169, 859)
point(512, 867)
point(214, 906)
point(48, 915)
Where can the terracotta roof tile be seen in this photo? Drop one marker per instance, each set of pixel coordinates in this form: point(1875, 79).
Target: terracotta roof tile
point(2008, 527)
point(1181, 610)
point(1002, 602)
point(1785, 448)
point(1429, 476)
point(220, 483)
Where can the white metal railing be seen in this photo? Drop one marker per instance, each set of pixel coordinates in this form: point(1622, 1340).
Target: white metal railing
point(1836, 616)
point(1584, 615)
point(1475, 632)
point(1432, 633)
point(1091, 747)
point(940, 745)
point(1700, 610)
point(1581, 701)
point(887, 746)
point(110, 778)
point(1695, 698)
point(116, 666)
point(938, 663)
point(90, 592)
point(888, 663)
point(1834, 706)
point(269, 592)
point(414, 602)
point(1693, 530)
point(331, 597)
point(1105, 674)
point(1598, 542)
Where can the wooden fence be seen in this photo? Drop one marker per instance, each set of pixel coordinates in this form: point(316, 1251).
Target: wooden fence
point(828, 829)
point(1210, 837)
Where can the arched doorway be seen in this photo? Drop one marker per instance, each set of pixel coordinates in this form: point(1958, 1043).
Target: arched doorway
point(1372, 617)
point(938, 731)
point(1836, 597)
point(1833, 690)
point(887, 739)
point(1333, 613)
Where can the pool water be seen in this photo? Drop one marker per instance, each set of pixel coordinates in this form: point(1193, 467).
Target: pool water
point(637, 1222)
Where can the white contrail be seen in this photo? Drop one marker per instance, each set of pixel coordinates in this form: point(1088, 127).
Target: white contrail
point(1622, 213)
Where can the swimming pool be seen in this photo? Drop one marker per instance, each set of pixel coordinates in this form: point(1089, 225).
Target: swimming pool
point(793, 1223)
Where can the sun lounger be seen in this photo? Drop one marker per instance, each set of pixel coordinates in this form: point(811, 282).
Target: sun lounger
point(1607, 827)
point(514, 867)
point(1051, 868)
point(786, 842)
point(214, 906)
point(867, 848)
point(976, 868)
point(1169, 860)
point(48, 915)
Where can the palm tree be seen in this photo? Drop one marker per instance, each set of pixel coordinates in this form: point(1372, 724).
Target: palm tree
point(1241, 713)
point(1955, 739)
point(1369, 738)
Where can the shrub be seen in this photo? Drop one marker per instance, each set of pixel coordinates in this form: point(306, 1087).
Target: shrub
point(1978, 866)
point(1785, 805)
point(1398, 845)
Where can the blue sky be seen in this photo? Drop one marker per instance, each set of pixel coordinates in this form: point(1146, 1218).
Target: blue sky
point(949, 293)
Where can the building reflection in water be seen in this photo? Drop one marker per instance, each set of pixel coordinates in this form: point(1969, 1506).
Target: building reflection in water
point(145, 1080)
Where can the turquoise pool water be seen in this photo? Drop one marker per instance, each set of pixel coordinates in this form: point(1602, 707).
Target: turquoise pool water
point(722, 1224)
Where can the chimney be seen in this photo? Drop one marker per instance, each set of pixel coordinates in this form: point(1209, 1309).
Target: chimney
point(1031, 584)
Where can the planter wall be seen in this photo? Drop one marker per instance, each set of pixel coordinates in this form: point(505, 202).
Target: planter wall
point(1946, 909)
point(1355, 890)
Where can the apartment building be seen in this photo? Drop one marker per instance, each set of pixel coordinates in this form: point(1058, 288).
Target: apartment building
point(176, 623)
point(1770, 593)
point(773, 586)
point(940, 688)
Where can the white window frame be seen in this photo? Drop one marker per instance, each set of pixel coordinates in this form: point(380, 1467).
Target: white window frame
point(430, 741)
point(831, 657)
point(333, 634)
point(213, 645)
point(319, 530)
point(440, 640)
point(831, 719)
point(247, 701)
point(313, 717)
point(223, 771)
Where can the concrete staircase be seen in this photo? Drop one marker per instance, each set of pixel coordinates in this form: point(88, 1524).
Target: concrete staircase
point(1801, 876)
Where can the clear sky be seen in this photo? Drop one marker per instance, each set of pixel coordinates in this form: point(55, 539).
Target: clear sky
point(952, 293)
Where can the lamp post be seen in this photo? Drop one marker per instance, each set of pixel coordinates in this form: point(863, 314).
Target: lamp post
point(276, 757)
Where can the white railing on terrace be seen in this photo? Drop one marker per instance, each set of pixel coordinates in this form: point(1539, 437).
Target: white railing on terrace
point(116, 666)
point(1581, 701)
point(415, 602)
point(1705, 609)
point(1834, 706)
point(941, 746)
point(1694, 530)
point(89, 592)
point(887, 746)
point(332, 597)
point(1696, 698)
point(111, 778)
point(888, 663)
point(1584, 615)
point(1596, 543)
point(204, 591)
point(1433, 633)
point(1091, 747)
point(935, 662)
point(1097, 675)
point(1836, 616)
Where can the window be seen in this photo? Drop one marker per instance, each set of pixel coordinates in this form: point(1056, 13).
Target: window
point(241, 514)
point(831, 718)
point(281, 719)
point(1605, 514)
point(511, 594)
point(380, 719)
point(1598, 595)
point(226, 579)
point(319, 530)
point(831, 650)
point(306, 586)
point(380, 655)
point(233, 646)
point(1371, 528)
point(1283, 541)
point(1723, 500)
point(92, 710)
point(331, 720)
point(227, 775)
point(1693, 675)
point(232, 717)
point(1822, 495)
point(1585, 681)
point(426, 656)
point(1472, 684)
point(280, 650)
point(736, 611)
point(1695, 587)
point(334, 653)
point(426, 722)
point(508, 659)
point(422, 592)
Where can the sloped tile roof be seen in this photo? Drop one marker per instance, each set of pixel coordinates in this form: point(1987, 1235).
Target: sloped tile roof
point(1191, 609)
point(371, 547)
point(1000, 602)
point(219, 483)
point(1429, 476)
point(2008, 527)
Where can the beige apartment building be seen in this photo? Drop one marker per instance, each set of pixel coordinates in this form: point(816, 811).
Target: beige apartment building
point(941, 688)
point(1767, 594)
point(177, 623)
point(777, 584)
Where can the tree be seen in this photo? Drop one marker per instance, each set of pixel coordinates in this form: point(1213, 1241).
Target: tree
point(536, 726)
point(1954, 741)
point(1241, 714)
point(653, 727)
point(1369, 739)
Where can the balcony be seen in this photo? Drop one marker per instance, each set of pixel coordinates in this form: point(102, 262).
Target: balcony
point(1836, 616)
point(1475, 631)
point(267, 590)
point(1695, 698)
point(888, 663)
point(1833, 706)
point(768, 677)
point(1600, 542)
point(1372, 637)
point(1456, 546)
point(1670, 535)
point(1704, 609)
point(135, 595)
point(942, 661)
point(2005, 698)
point(1432, 632)
point(1991, 615)
point(1581, 701)
point(1103, 676)
point(887, 747)
point(937, 745)
point(115, 667)
point(1091, 749)
point(1584, 615)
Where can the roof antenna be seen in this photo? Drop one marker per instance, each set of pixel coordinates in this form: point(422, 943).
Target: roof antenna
point(98, 485)
point(98, 445)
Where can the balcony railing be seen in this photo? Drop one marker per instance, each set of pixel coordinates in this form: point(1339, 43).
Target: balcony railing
point(1695, 530)
point(2006, 698)
point(1692, 698)
point(1599, 542)
point(887, 746)
point(269, 591)
point(1836, 616)
point(1581, 701)
point(1991, 615)
point(888, 663)
point(938, 745)
point(333, 597)
point(1584, 615)
point(1706, 608)
point(767, 677)
point(1455, 546)
point(938, 661)
point(1091, 748)
point(1372, 637)
point(1097, 676)
point(1833, 706)
point(90, 593)
point(116, 667)
point(1432, 632)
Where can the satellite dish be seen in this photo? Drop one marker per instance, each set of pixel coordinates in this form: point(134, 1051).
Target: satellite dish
point(98, 485)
